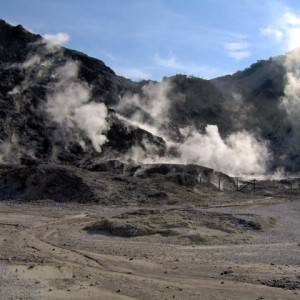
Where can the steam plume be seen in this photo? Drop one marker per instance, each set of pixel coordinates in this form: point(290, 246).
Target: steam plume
point(150, 110)
point(291, 99)
point(241, 153)
point(68, 102)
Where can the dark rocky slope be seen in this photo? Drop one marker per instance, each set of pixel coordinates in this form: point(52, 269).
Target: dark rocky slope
point(26, 128)
point(110, 182)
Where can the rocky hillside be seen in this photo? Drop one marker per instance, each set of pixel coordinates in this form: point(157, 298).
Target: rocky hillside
point(42, 118)
point(32, 72)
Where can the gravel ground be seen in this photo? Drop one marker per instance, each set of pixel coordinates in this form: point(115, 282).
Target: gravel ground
point(46, 254)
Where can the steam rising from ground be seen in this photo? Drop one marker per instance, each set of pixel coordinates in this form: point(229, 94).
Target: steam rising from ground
point(68, 106)
point(68, 102)
point(9, 151)
point(151, 109)
point(291, 99)
point(241, 153)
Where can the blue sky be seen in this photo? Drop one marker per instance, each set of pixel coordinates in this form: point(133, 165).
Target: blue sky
point(144, 39)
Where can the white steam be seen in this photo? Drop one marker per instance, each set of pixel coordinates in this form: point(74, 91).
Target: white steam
point(285, 30)
point(69, 102)
point(59, 38)
point(291, 99)
point(92, 118)
point(150, 109)
point(69, 106)
point(241, 153)
point(10, 151)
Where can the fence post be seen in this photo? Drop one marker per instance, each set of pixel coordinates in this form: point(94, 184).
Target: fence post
point(237, 184)
point(219, 182)
point(254, 185)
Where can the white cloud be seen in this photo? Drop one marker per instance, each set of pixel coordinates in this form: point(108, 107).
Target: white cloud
point(277, 34)
point(238, 55)
point(59, 38)
point(133, 73)
point(238, 49)
point(172, 62)
point(291, 19)
point(236, 46)
point(285, 30)
point(168, 62)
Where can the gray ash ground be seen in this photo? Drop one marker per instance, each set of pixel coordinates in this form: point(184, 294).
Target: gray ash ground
point(126, 233)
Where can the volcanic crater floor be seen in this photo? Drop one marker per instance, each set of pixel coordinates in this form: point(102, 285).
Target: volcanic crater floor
point(80, 251)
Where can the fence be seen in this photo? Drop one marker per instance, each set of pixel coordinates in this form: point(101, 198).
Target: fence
point(223, 182)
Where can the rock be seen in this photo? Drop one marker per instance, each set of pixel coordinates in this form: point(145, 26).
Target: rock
point(181, 224)
point(226, 272)
point(43, 182)
point(158, 195)
point(284, 283)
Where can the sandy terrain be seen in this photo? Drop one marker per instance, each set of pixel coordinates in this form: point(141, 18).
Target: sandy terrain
point(45, 253)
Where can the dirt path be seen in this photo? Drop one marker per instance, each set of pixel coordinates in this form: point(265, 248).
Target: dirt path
point(45, 254)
